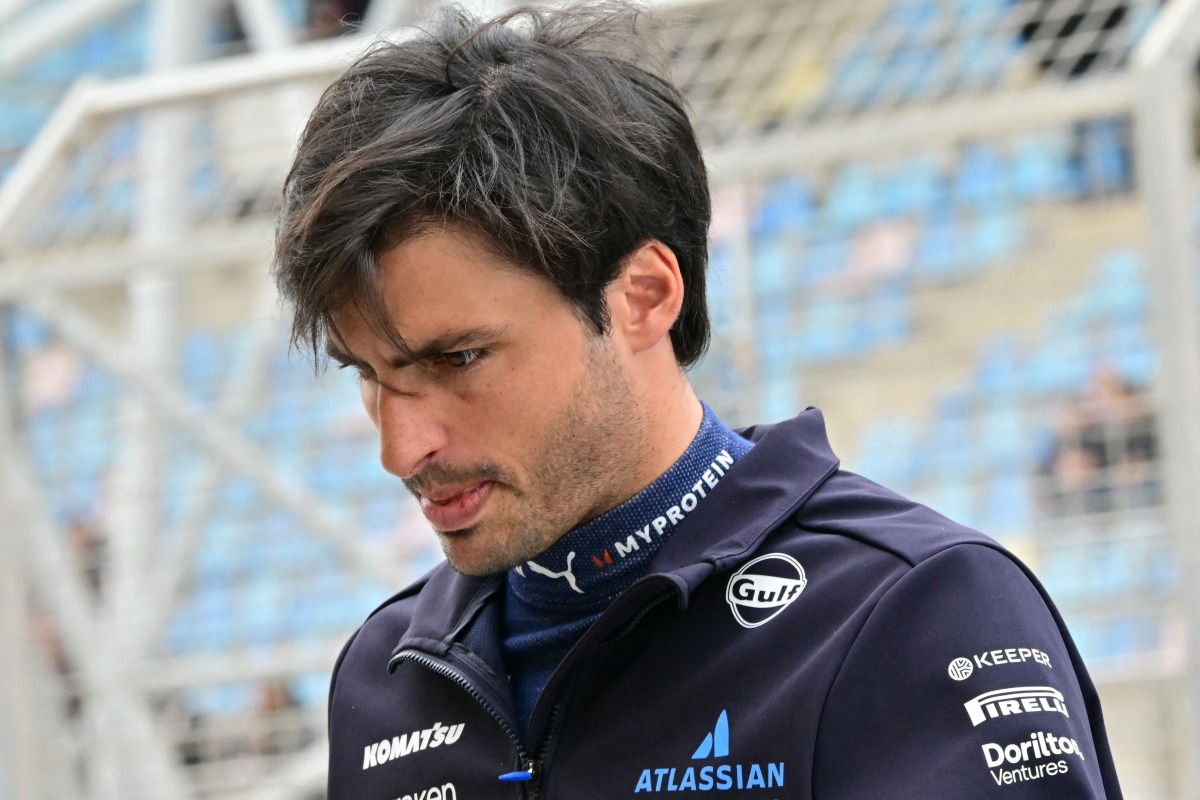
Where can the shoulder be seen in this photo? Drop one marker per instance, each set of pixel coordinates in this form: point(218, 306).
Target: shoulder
point(885, 554)
point(877, 519)
point(386, 625)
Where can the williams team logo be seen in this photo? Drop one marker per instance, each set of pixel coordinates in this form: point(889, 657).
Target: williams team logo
point(1017, 700)
point(764, 587)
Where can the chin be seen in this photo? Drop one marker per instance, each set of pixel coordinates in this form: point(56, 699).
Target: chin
point(469, 553)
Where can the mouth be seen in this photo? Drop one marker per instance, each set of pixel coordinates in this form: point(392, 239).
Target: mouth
point(445, 494)
point(453, 508)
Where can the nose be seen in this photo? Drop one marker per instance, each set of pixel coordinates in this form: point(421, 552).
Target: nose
point(410, 434)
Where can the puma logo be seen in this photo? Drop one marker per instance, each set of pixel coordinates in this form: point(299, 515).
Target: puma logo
point(566, 573)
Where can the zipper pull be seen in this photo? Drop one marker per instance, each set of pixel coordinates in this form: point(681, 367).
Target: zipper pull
point(520, 776)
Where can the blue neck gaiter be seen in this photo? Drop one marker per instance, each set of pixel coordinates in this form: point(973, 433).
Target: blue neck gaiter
point(551, 600)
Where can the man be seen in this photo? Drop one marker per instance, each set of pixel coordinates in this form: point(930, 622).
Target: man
point(502, 227)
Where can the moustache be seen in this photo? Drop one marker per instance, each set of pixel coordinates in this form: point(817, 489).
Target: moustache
point(436, 475)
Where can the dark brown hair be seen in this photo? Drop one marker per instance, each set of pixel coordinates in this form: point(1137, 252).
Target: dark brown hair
point(543, 130)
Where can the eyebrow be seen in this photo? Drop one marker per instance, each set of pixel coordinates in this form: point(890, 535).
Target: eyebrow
point(449, 342)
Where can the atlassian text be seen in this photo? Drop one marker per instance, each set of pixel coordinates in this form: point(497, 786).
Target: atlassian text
point(444, 792)
point(703, 779)
point(675, 514)
point(387, 749)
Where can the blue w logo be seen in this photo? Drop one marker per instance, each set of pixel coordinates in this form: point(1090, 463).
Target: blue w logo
point(715, 744)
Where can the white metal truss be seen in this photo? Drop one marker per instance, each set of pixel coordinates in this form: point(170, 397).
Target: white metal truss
point(27, 30)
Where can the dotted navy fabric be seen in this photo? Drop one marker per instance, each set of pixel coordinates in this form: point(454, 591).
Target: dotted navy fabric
point(553, 599)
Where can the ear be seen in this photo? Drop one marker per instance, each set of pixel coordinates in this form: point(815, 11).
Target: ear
point(645, 298)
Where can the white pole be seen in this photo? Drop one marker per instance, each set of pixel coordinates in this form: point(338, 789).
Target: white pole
point(18, 754)
point(1164, 146)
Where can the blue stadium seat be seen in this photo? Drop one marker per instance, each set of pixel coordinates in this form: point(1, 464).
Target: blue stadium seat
point(885, 453)
point(906, 76)
point(1132, 354)
point(982, 181)
point(224, 700)
point(24, 331)
point(19, 122)
point(947, 439)
point(828, 325)
point(1163, 572)
point(997, 234)
point(1041, 168)
point(979, 15)
point(856, 78)
point(825, 257)
point(1110, 568)
point(260, 611)
point(985, 56)
point(954, 496)
point(773, 317)
point(774, 267)
point(1121, 636)
point(998, 372)
point(941, 252)
point(214, 610)
point(1121, 286)
point(786, 207)
point(1106, 158)
point(915, 186)
point(240, 495)
point(45, 433)
point(777, 358)
point(181, 634)
point(778, 399)
point(852, 200)
point(311, 689)
point(911, 20)
point(1005, 440)
point(1065, 576)
point(887, 314)
point(1008, 506)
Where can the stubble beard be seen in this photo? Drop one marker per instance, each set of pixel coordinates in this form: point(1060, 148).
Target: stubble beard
point(579, 469)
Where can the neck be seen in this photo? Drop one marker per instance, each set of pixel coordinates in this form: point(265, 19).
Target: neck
point(673, 416)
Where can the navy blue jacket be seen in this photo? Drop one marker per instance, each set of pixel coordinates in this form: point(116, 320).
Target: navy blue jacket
point(808, 634)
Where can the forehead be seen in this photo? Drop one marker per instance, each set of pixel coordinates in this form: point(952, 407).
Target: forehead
point(443, 279)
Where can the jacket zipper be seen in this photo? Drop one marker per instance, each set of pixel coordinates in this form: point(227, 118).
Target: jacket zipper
point(528, 765)
point(531, 768)
point(548, 737)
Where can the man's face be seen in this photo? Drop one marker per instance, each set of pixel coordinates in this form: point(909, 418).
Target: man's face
point(517, 424)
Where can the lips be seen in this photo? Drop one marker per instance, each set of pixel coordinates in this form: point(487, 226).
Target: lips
point(454, 509)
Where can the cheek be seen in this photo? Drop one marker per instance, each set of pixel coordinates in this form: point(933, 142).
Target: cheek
point(514, 403)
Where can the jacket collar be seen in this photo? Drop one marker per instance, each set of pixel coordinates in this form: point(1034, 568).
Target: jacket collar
point(789, 461)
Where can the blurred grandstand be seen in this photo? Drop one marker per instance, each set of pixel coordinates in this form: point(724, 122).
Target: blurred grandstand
point(963, 228)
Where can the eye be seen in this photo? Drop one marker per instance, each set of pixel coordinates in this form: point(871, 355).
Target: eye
point(462, 359)
point(359, 372)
